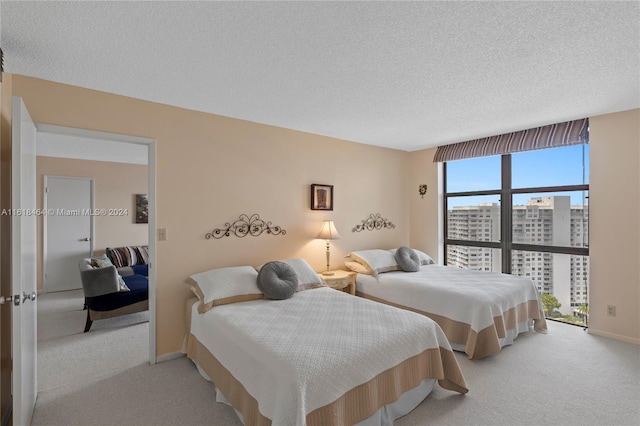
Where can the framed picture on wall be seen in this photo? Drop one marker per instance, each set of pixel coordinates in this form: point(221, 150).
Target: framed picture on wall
point(142, 208)
point(321, 197)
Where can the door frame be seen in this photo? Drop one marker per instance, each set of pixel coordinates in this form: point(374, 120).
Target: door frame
point(92, 228)
point(151, 171)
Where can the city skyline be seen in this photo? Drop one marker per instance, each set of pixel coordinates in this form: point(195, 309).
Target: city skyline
point(545, 221)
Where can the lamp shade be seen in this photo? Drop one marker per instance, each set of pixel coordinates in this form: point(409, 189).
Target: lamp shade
point(328, 231)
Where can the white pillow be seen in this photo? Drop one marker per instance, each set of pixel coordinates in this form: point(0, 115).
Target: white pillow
point(372, 262)
point(356, 266)
point(425, 259)
point(307, 277)
point(222, 286)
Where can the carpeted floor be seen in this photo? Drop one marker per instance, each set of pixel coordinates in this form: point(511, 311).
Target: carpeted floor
point(566, 377)
point(67, 355)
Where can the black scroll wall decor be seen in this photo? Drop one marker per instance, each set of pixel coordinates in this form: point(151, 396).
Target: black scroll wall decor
point(372, 223)
point(245, 225)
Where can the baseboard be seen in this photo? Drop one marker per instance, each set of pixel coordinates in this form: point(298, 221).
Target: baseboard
point(614, 336)
point(169, 356)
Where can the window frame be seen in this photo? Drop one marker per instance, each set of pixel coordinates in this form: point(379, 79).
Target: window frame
point(506, 192)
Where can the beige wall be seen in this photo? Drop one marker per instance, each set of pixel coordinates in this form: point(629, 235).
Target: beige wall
point(115, 186)
point(211, 169)
point(614, 222)
point(425, 211)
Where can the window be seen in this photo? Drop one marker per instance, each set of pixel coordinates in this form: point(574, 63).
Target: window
point(527, 214)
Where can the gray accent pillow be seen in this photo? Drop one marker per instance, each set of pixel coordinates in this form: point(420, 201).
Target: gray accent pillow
point(277, 280)
point(408, 259)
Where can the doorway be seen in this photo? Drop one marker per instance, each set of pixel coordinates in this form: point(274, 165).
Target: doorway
point(67, 230)
point(117, 344)
point(104, 143)
point(149, 145)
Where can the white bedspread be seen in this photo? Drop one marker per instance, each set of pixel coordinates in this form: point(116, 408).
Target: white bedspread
point(472, 297)
point(296, 355)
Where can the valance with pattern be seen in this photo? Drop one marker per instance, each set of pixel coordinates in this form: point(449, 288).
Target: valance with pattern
point(554, 135)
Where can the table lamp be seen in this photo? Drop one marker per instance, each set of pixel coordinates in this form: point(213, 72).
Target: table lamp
point(328, 232)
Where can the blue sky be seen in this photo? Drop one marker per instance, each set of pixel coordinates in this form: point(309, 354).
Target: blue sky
point(547, 167)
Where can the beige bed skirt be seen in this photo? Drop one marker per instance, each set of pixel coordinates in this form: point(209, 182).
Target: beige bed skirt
point(484, 342)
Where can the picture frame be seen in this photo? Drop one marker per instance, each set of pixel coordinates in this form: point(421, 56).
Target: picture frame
point(321, 197)
point(142, 208)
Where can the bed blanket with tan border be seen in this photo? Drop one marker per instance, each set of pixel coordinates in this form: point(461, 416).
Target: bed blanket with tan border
point(322, 357)
point(475, 309)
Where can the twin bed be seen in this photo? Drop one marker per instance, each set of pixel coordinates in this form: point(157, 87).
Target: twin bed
point(319, 356)
point(480, 312)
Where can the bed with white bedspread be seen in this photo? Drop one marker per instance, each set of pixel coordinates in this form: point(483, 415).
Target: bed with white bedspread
point(321, 357)
point(480, 312)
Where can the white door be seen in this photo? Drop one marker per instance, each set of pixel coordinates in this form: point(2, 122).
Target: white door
point(23, 263)
point(67, 230)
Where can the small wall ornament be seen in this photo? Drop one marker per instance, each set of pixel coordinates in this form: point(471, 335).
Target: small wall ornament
point(374, 222)
point(246, 225)
point(422, 189)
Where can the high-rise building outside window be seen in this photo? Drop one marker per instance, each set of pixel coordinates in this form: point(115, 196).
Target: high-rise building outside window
point(526, 214)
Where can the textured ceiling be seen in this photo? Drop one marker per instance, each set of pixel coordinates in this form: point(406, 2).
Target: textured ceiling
point(404, 75)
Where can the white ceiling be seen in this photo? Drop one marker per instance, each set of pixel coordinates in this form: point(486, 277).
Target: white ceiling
point(404, 75)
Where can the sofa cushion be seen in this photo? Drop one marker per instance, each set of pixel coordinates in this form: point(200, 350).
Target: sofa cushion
point(125, 271)
point(119, 256)
point(141, 270)
point(138, 292)
point(98, 281)
point(128, 255)
point(142, 254)
point(104, 262)
point(100, 262)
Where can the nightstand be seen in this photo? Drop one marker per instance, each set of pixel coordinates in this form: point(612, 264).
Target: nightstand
point(341, 280)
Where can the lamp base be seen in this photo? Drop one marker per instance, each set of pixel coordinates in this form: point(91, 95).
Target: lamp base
point(328, 273)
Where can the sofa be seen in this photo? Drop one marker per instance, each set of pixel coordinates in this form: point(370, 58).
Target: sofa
point(116, 283)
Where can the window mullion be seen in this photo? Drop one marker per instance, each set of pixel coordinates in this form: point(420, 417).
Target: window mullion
point(506, 202)
point(445, 225)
